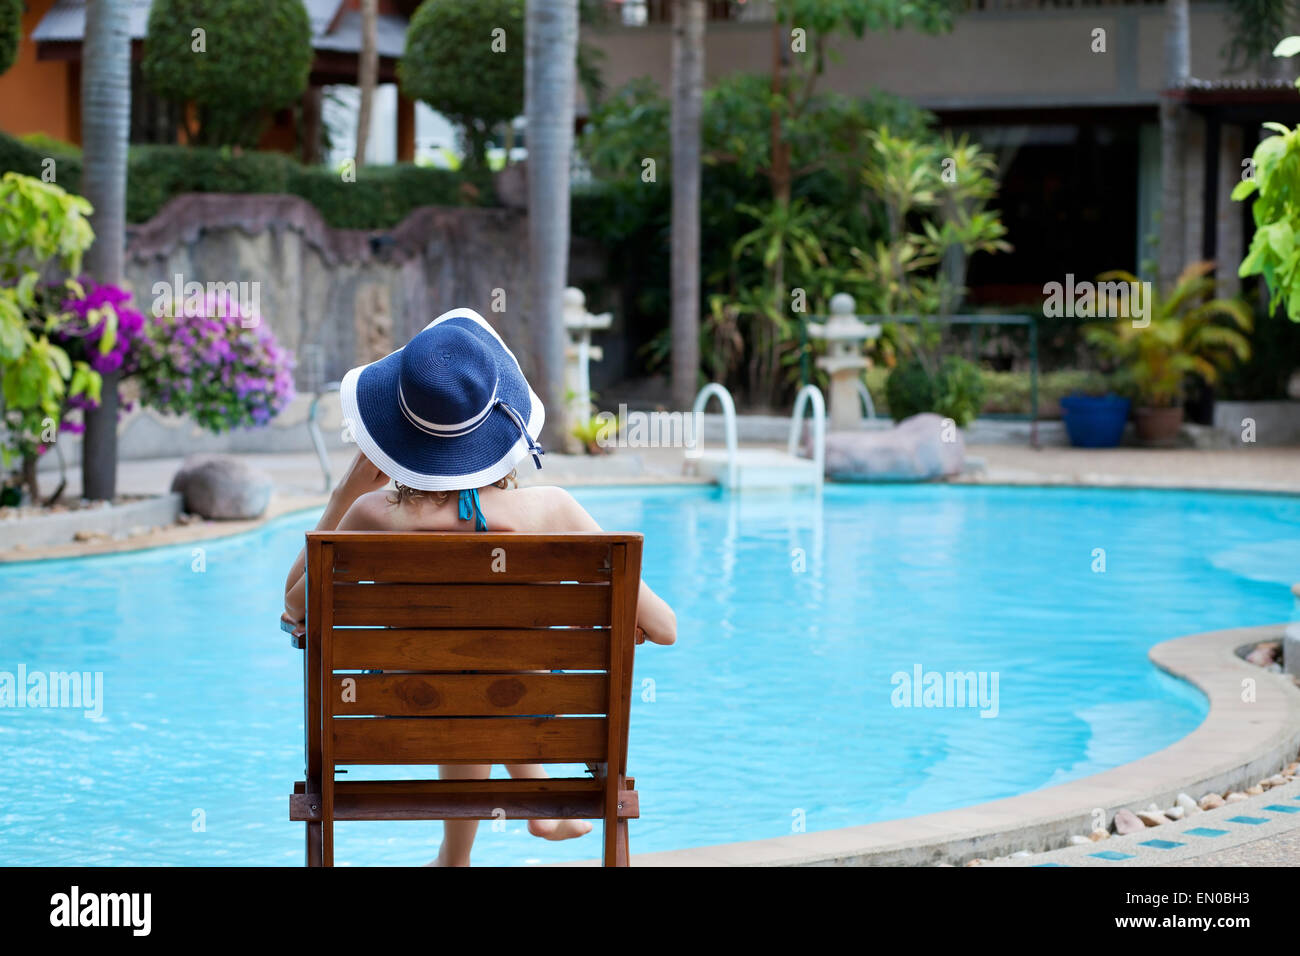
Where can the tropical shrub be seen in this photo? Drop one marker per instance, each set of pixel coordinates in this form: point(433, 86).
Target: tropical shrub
point(955, 390)
point(909, 390)
point(959, 390)
point(218, 364)
point(251, 58)
point(11, 31)
point(455, 62)
point(41, 227)
point(752, 248)
point(1185, 331)
point(1275, 247)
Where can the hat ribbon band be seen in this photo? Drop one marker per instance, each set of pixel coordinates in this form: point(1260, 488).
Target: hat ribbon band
point(534, 448)
point(445, 431)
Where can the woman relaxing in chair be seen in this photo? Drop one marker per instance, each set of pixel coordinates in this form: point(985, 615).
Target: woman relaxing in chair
point(452, 415)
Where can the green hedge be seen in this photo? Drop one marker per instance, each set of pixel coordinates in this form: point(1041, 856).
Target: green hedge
point(380, 198)
point(1007, 393)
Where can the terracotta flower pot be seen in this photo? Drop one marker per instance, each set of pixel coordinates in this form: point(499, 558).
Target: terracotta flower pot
point(1158, 426)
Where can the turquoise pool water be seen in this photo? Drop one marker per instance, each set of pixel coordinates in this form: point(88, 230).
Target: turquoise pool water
point(776, 708)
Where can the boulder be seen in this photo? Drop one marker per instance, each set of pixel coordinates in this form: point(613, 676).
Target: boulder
point(222, 487)
point(921, 448)
point(1211, 801)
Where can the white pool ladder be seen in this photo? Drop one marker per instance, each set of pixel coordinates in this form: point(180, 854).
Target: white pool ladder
point(760, 467)
point(716, 390)
point(810, 395)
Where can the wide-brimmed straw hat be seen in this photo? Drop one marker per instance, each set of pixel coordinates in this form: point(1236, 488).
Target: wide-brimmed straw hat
point(451, 410)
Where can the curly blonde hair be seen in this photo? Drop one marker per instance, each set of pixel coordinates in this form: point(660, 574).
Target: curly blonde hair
point(401, 494)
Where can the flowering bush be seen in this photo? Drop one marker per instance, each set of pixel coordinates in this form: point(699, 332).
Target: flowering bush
point(219, 365)
point(106, 326)
point(103, 330)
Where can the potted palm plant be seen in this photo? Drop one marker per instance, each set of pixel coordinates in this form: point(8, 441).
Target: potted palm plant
point(1185, 332)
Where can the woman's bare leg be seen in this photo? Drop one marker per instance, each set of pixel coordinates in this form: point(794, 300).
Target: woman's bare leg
point(547, 829)
point(458, 835)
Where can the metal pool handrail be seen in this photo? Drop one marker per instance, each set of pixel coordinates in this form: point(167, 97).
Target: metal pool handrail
point(317, 439)
point(714, 389)
point(810, 394)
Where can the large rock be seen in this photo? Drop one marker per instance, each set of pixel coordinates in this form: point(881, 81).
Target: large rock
point(222, 487)
point(920, 448)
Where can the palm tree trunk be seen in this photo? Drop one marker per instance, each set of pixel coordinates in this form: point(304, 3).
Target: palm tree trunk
point(550, 63)
point(106, 122)
point(688, 94)
point(367, 74)
point(1172, 124)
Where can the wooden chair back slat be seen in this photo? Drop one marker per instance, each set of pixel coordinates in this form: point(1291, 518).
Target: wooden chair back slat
point(435, 740)
point(469, 695)
point(527, 559)
point(401, 649)
point(471, 605)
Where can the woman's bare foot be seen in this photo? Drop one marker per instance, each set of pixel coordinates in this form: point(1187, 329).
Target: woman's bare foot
point(441, 860)
point(558, 829)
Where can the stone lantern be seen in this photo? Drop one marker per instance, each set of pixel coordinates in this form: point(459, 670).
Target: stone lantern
point(579, 353)
point(844, 335)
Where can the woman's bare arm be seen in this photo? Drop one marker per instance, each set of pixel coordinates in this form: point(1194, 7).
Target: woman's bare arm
point(653, 615)
point(361, 477)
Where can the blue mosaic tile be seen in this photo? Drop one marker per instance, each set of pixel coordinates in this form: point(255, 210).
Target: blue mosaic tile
point(1205, 832)
point(1161, 844)
point(1112, 855)
point(1036, 865)
point(1282, 808)
point(1253, 821)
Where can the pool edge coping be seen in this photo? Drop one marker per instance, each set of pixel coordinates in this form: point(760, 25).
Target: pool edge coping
point(1237, 744)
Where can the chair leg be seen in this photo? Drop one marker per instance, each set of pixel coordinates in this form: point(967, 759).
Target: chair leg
point(624, 855)
point(609, 841)
point(327, 818)
point(315, 851)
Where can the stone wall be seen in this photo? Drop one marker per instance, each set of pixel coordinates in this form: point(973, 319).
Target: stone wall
point(337, 297)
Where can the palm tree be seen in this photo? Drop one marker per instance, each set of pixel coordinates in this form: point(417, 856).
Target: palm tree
point(1172, 124)
point(688, 94)
point(106, 122)
point(367, 73)
point(550, 60)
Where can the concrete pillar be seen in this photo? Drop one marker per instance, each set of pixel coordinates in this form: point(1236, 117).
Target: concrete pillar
point(1229, 242)
point(1194, 186)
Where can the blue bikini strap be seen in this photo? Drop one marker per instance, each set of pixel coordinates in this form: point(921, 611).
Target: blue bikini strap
point(471, 507)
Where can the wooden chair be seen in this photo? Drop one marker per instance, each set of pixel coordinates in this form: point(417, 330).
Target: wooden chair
point(467, 632)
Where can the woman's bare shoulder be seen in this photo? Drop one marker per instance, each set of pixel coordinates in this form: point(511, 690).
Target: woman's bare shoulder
point(373, 511)
point(544, 508)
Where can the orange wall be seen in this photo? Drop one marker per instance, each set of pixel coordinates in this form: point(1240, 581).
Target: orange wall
point(38, 96)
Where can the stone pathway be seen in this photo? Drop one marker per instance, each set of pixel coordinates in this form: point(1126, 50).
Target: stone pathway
point(1261, 831)
point(1254, 468)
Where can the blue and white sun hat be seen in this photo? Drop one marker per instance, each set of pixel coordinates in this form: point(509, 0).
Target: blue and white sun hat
point(451, 410)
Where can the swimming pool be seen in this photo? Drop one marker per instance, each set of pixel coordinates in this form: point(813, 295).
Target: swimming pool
point(776, 709)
